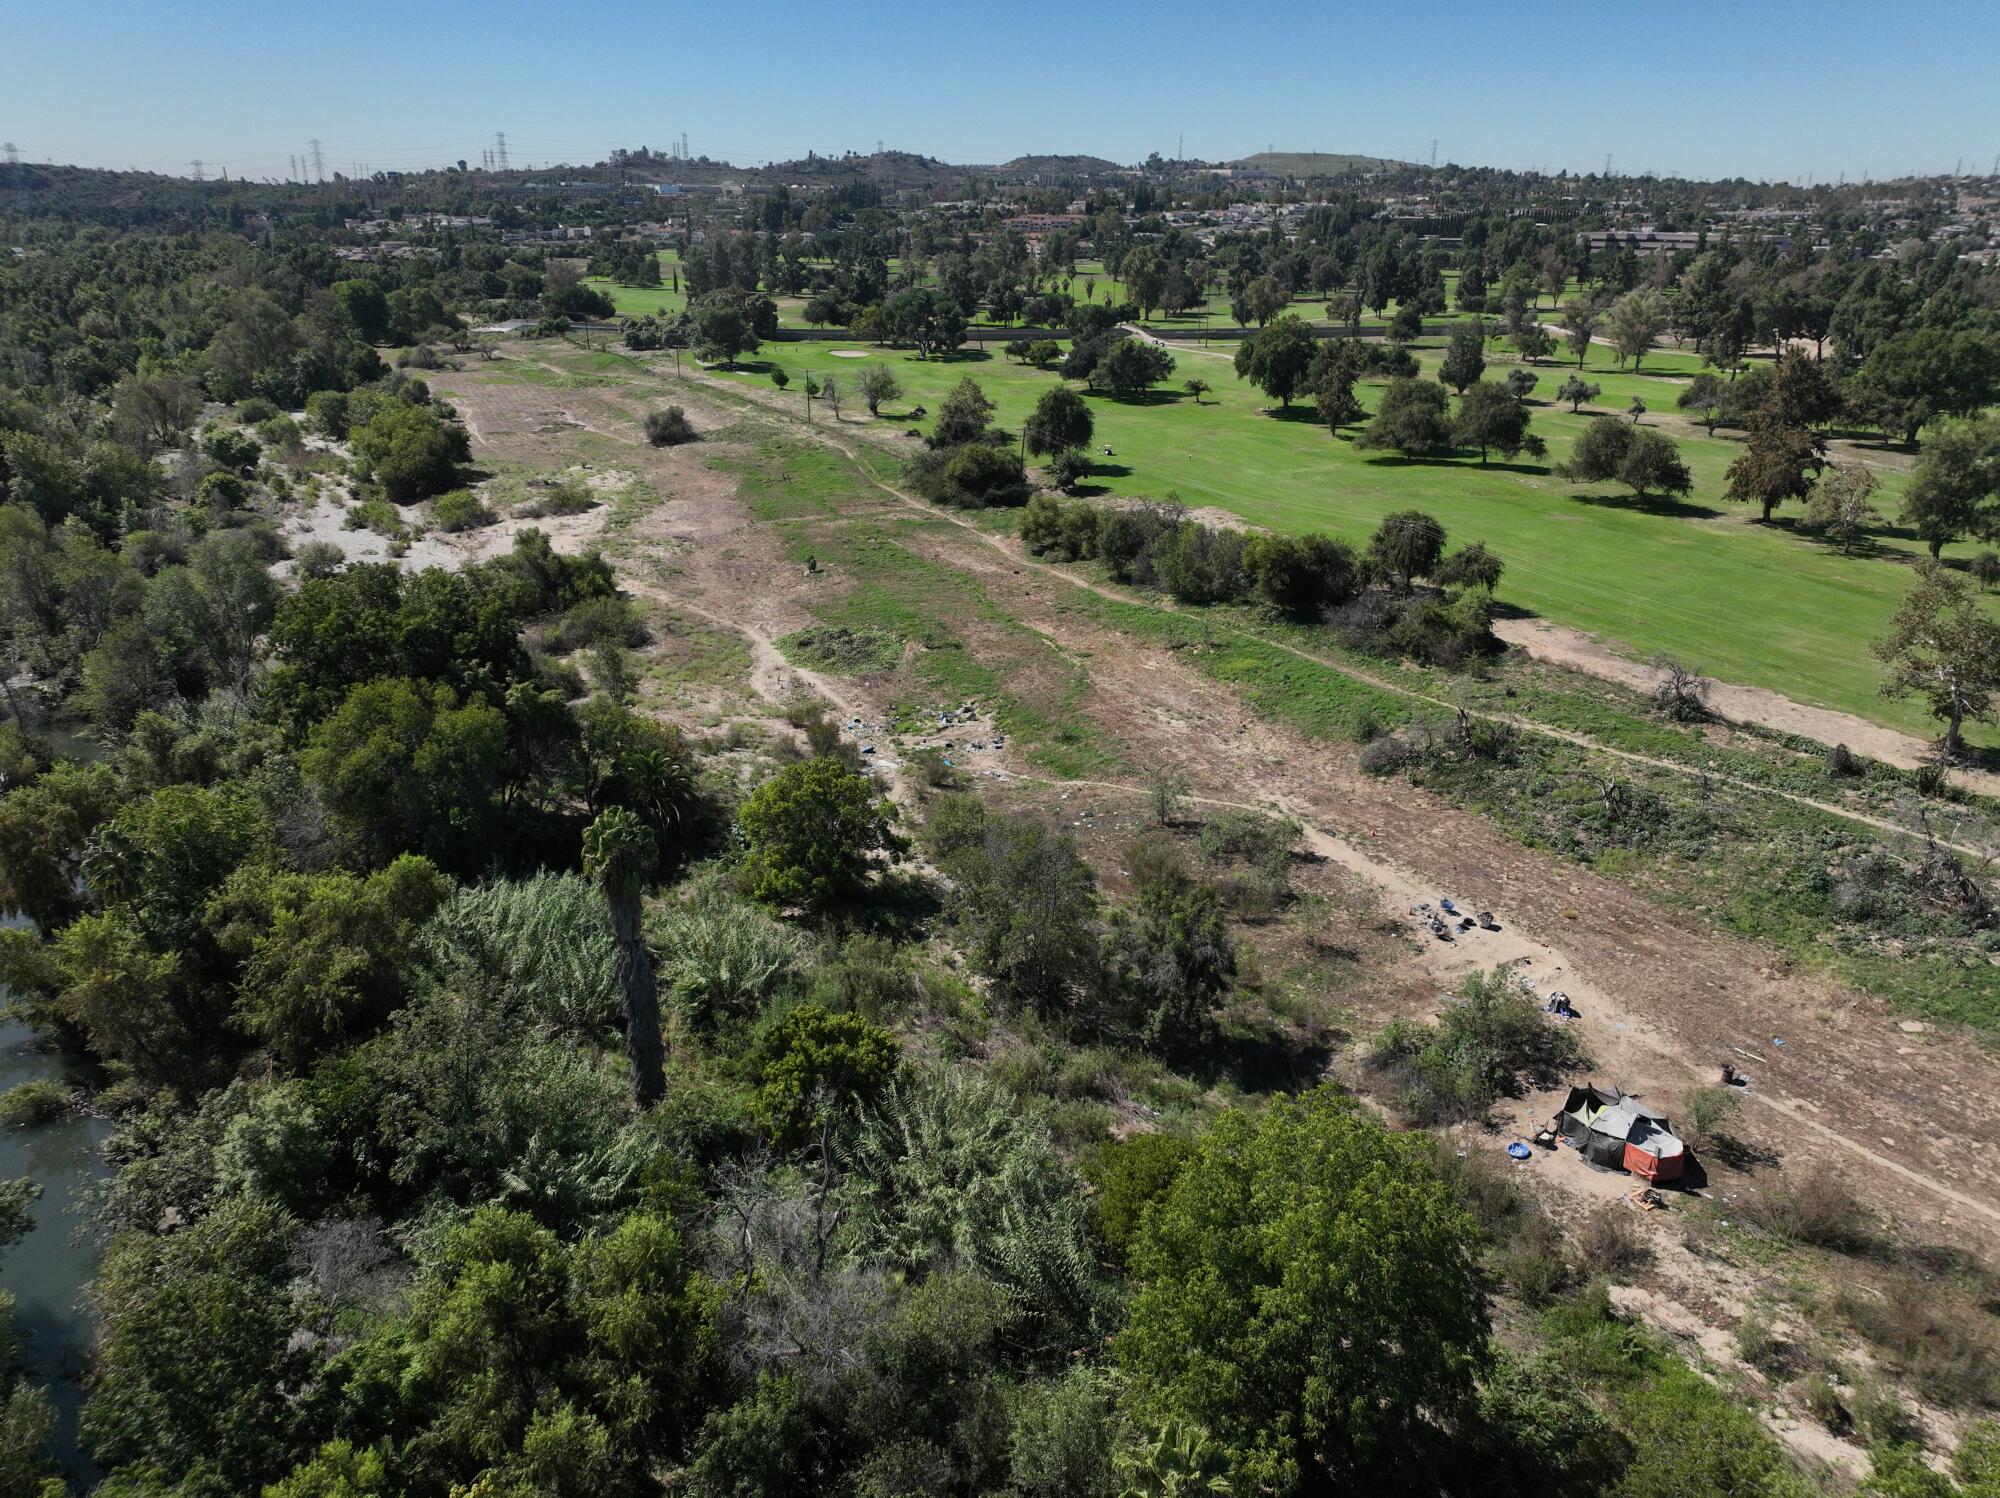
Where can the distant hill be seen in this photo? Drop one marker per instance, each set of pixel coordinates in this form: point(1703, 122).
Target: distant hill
point(1314, 163)
point(1060, 166)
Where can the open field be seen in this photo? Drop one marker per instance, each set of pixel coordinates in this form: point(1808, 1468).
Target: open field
point(1766, 607)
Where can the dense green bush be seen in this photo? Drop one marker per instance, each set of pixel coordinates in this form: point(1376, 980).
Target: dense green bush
point(1485, 1046)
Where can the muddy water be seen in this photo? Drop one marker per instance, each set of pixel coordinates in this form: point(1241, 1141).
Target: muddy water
point(47, 1270)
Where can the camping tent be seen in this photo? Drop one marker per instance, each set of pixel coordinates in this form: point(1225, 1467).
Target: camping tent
point(1621, 1133)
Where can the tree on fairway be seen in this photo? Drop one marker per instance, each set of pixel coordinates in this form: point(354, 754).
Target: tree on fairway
point(1145, 276)
point(1334, 396)
point(1653, 465)
point(1197, 389)
point(1264, 298)
point(1412, 419)
point(722, 331)
point(1943, 646)
point(1634, 325)
point(1131, 365)
point(1533, 343)
point(1576, 390)
point(878, 383)
point(779, 378)
point(1060, 422)
point(1955, 491)
point(1406, 545)
point(1276, 357)
point(619, 853)
point(1839, 508)
point(1490, 417)
point(1407, 323)
point(1521, 383)
point(1465, 358)
point(962, 415)
point(1778, 463)
point(1309, 1293)
point(1580, 326)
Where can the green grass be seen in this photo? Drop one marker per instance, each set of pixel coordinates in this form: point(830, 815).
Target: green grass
point(1743, 602)
point(968, 648)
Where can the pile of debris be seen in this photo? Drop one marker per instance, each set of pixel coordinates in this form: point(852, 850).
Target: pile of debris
point(1447, 922)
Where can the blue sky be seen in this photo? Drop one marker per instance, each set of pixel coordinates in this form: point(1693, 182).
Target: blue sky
point(1768, 88)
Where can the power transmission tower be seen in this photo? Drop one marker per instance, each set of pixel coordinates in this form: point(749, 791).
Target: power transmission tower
point(1434, 153)
point(13, 153)
point(1607, 163)
point(318, 159)
point(500, 148)
point(292, 173)
point(196, 165)
point(684, 145)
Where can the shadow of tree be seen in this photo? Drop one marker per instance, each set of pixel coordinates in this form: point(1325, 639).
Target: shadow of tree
point(1664, 505)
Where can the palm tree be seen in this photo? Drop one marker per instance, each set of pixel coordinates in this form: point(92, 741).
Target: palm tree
point(618, 852)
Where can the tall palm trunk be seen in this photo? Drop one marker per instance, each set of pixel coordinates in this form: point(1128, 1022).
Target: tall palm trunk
point(639, 1000)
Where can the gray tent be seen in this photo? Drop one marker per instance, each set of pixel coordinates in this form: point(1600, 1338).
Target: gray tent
point(1621, 1133)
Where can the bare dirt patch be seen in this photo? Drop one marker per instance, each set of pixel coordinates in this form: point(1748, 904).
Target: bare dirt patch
point(1563, 646)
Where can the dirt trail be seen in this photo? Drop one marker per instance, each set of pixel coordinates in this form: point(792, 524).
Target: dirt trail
point(1563, 646)
point(1663, 998)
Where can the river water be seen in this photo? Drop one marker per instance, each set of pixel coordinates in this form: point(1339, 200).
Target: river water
point(46, 1271)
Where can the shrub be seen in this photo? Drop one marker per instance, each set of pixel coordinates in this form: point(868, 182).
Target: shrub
point(595, 621)
point(1130, 1175)
point(722, 960)
point(1702, 1114)
point(812, 832)
point(1300, 577)
point(410, 451)
point(1881, 1417)
point(1822, 1401)
point(1067, 532)
point(460, 510)
point(31, 1104)
point(812, 1061)
point(1201, 564)
point(1758, 1342)
point(670, 427)
point(970, 475)
point(1610, 1239)
point(255, 409)
point(1819, 1211)
point(1482, 1049)
point(278, 432)
point(318, 559)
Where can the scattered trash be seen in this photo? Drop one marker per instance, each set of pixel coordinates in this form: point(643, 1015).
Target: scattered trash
point(1486, 921)
point(1777, 1040)
point(1519, 1150)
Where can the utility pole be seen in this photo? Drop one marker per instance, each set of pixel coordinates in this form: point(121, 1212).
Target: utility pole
point(318, 159)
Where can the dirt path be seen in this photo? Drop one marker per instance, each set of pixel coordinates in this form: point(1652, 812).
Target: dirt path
point(1563, 646)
